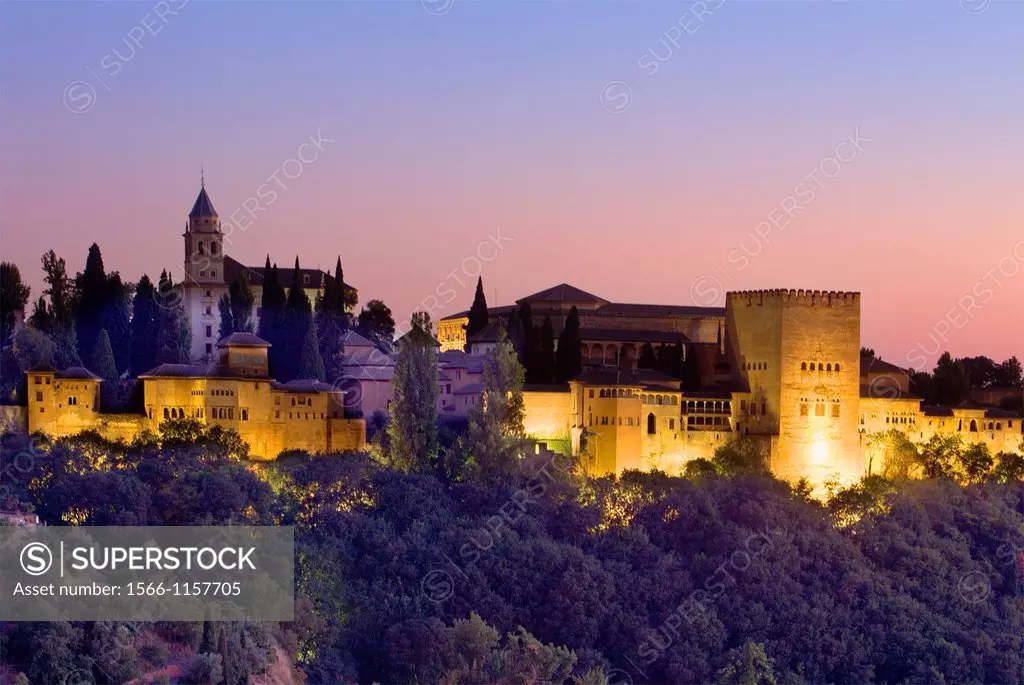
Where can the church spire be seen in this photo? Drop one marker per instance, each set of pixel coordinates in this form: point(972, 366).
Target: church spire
point(203, 207)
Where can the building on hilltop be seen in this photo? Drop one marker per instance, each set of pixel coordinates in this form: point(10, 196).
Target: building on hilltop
point(787, 376)
point(608, 330)
point(234, 391)
point(209, 272)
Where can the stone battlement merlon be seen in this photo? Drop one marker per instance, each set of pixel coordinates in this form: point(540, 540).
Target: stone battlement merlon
point(830, 298)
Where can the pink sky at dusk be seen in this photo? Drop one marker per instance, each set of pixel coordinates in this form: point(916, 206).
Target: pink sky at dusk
point(429, 160)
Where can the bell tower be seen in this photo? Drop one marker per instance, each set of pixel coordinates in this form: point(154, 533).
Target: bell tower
point(204, 242)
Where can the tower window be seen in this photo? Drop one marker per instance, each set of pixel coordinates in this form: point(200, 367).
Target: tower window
point(803, 366)
point(819, 409)
point(804, 409)
point(837, 368)
point(213, 248)
point(835, 410)
point(200, 247)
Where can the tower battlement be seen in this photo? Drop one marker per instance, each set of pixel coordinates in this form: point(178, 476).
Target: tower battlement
point(783, 297)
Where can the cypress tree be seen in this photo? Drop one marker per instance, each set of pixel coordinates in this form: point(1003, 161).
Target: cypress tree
point(413, 427)
point(569, 358)
point(143, 327)
point(478, 317)
point(311, 364)
point(240, 304)
point(691, 370)
point(13, 297)
point(227, 321)
point(297, 320)
point(101, 361)
point(271, 315)
point(92, 298)
point(546, 368)
point(116, 319)
point(531, 354)
point(646, 360)
point(514, 331)
point(174, 336)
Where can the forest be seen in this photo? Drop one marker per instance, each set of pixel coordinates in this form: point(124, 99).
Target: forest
point(540, 575)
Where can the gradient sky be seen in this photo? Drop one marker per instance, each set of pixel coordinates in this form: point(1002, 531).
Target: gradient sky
point(448, 126)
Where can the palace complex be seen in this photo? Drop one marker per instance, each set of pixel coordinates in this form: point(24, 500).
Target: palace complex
point(781, 368)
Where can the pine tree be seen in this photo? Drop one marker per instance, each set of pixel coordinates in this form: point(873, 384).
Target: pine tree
point(144, 327)
point(227, 321)
point(413, 427)
point(477, 313)
point(377, 324)
point(546, 366)
point(101, 361)
point(311, 364)
point(569, 357)
point(646, 360)
point(240, 302)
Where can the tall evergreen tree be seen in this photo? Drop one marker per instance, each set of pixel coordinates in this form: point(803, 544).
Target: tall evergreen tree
point(646, 360)
point(13, 298)
point(514, 332)
point(478, 317)
point(144, 327)
point(546, 367)
point(227, 321)
point(271, 318)
point(297, 320)
point(240, 301)
point(691, 370)
point(569, 357)
point(92, 301)
point(311, 364)
point(117, 314)
point(496, 434)
point(174, 336)
point(413, 427)
point(332, 320)
point(102, 358)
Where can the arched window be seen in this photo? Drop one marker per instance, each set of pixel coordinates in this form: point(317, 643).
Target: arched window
point(974, 426)
point(200, 248)
point(602, 393)
point(837, 368)
point(245, 414)
point(652, 424)
point(213, 248)
point(167, 413)
point(829, 368)
point(803, 366)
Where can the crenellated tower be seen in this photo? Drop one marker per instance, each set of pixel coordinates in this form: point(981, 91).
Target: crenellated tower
point(798, 351)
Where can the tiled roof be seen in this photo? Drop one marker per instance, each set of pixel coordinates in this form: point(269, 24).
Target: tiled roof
point(202, 206)
point(353, 339)
point(563, 292)
point(546, 387)
point(453, 359)
point(935, 410)
point(994, 413)
point(417, 334)
point(471, 389)
point(621, 335)
point(242, 339)
point(659, 310)
point(879, 365)
point(78, 373)
point(307, 386)
point(489, 333)
point(362, 356)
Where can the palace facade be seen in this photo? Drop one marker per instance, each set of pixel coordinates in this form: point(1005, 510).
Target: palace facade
point(234, 391)
point(787, 374)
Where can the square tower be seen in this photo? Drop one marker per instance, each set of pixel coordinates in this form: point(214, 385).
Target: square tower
point(799, 353)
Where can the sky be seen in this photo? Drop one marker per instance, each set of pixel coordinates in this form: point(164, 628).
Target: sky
point(644, 151)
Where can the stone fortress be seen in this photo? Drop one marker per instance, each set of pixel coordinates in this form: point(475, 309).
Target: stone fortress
point(779, 367)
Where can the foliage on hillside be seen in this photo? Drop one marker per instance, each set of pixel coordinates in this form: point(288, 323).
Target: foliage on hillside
point(403, 577)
